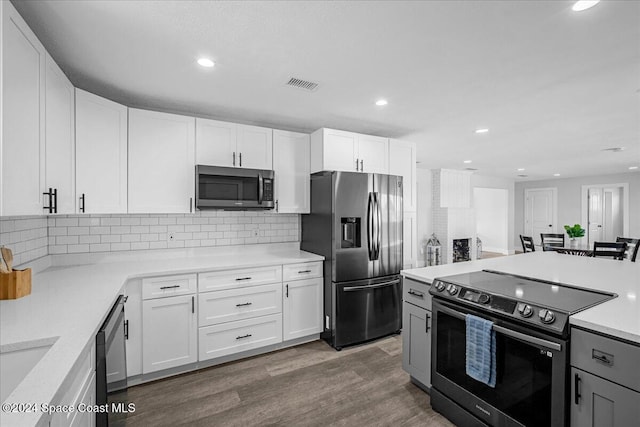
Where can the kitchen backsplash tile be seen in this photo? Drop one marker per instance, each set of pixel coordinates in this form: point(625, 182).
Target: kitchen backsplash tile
point(26, 236)
point(32, 237)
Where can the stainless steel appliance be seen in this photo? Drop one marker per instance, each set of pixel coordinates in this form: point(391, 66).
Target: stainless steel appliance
point(531, 323)
point(356, 224)
point(233, 188)
point(111, 364)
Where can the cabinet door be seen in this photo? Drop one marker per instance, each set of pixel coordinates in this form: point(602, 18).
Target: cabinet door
point(133, 319)
point(170, 333)
point(340, 150)
point(60, 138)
point(409, 240)
point(302, 308)
point(416, 343)
point(291, 166)
point(101, 154)
point(373, 152)
point(601, 403)
point(215, 143)
point(22, 143)
point(161, 162)
point(402, 161)
point(254, 147)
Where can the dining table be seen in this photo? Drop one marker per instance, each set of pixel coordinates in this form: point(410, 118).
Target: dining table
point(579, 250)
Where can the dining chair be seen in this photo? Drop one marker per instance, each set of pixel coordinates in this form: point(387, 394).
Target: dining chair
point(527, 244)
point(613, 250)
point(577, 252)
point(632, 247)
point(551, 240)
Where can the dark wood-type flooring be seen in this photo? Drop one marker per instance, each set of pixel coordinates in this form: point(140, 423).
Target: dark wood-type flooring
point(308, 385)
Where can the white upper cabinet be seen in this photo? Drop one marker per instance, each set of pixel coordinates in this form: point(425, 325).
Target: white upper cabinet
point(60, 139)
point(101, 154)
point(402, 161)
point(347, 151)
point(23, 110)
point(291, 166)
point(255, 147)
point(161, 162)
point(233, 145)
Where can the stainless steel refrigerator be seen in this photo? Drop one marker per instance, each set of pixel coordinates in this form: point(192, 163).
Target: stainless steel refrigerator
point(356, 224)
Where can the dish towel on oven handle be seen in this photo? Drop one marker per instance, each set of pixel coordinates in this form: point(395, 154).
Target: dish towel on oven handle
point(481, 350)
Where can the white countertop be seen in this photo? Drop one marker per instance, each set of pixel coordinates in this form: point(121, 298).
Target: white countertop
point(619, 317)
point(71, 302)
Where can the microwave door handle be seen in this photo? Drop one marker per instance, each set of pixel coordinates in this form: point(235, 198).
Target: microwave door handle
point(260, 188)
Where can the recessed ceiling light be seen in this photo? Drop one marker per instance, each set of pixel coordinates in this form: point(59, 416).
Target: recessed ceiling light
point(614, 149)
point(467, 161)
point(523, 176)
point(556, 174)
point(581, 5)
point(482, 130)
point(520, 169)
point(633, 168)
point(381, 102)
point(206, 62)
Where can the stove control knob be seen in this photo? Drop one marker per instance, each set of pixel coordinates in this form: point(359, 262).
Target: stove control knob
point(452, 289)
point(525, 310)
point(547, 316)
point(484, 299)
point(439, 286)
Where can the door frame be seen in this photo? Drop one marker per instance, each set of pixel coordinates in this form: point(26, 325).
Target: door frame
point(584, 216)
point(554, 213)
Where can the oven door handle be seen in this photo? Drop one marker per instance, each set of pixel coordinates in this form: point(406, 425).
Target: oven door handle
point(508, 332)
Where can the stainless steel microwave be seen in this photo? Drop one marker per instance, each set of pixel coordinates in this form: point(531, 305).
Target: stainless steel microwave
point(233, 188)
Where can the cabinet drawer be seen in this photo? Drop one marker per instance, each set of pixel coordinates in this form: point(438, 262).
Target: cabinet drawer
point(305, 270)
point(168, 286)
point(237, 304)
point(416, 293)
point(234, 337)
point(608, 358)
point(226, 279)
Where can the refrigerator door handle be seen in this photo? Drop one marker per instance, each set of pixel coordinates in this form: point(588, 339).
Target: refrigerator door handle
point(378, 224)
point(370, 209)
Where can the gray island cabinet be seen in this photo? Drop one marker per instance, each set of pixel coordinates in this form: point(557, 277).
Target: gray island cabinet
point(605, 381)
point(416, 332)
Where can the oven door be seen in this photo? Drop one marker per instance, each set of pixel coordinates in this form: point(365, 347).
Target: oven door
point(530, 371)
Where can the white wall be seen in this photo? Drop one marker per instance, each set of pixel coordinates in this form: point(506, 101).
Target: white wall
point(570, 199)
point(492, 218)
point(424, 220)
point(485, 181)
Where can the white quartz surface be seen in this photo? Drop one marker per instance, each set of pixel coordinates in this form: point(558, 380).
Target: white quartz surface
point(71, 302)
point(619, 317)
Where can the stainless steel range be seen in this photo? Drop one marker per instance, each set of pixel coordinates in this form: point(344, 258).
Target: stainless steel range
point(531, 325)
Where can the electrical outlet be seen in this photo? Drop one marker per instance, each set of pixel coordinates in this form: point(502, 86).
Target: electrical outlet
point(255, 233)
point(171, 237)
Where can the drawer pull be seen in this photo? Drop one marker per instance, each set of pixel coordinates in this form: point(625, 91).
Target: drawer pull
point(416, 293)
point(576, 389)
point(605, 358)
point(169, 287)
point(304, 271)
point(243, 278)
point(243, 336)
point(243, 304)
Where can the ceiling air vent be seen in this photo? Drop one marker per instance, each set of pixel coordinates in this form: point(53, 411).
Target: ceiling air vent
point(614, 149)
point(523, 176)
point(302, 84)
point(470, 169)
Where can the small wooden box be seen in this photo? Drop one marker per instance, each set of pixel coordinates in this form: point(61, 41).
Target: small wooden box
point(15, 284)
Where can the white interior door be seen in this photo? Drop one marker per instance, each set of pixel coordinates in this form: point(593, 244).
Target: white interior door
point(540, 212)
point(595, 215)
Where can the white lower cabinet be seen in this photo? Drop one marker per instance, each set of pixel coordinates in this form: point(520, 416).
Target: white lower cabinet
point(237, 304)
point(302, 308)
point(170, 332)
point(133, 326)
point(233, 337)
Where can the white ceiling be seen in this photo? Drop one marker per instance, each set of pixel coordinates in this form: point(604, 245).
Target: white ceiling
point(554, 86)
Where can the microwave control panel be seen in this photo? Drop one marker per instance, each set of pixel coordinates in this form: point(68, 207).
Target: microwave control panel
point(267, 194)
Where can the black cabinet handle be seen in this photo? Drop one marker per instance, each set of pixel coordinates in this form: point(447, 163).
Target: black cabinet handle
point(193, 304)
point(243, 304)
point(240, 156)
point(243, 336)
point(287, 293)
point(126, 329)
point(304, 271)
point(426, 322)
point(169, 287)
point(416, 293)
point(576, 386)
point(52, 195)
point(234, 158)
point(82, 203)
point(190, 204)
point(243, 278)
point(602, 358)
point(276, 206)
